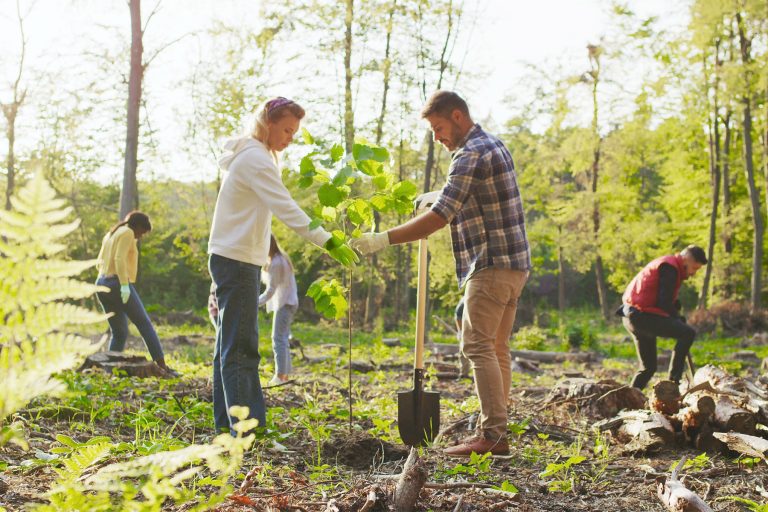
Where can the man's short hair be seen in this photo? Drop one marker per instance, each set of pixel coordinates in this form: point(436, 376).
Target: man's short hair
point(696, 252)
point(443, 103)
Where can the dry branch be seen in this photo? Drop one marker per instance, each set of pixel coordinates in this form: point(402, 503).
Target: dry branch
point(676, 497)
point(411, 480)
point(746, 444)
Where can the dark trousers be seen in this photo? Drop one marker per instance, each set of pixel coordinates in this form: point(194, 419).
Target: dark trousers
point(236, 355)
point(644, 328)
point(134, 310)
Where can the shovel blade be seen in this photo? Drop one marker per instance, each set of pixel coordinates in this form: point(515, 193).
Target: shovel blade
point(418, 416)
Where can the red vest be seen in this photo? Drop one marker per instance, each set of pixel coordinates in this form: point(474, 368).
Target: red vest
point(643, 291)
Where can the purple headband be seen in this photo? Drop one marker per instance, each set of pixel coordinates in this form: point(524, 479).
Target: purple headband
point(276, 103)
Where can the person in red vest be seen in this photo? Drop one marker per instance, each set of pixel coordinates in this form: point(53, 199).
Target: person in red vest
point(651, 308)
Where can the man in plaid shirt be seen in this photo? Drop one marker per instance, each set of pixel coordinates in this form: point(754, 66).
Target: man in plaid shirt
point(482, 203)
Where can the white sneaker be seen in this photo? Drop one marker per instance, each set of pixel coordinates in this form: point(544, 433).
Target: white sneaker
point(275, 381)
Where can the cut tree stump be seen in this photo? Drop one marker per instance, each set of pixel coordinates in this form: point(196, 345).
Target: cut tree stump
point(645, 431)
point(601, 399)
point(743, 443)
point(132, 365)
point(411, 480)
point(729, 417)
point(676, 497)
point(665, 397)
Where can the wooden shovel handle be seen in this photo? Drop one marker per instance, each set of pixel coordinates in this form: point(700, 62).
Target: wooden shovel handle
point(421, 304)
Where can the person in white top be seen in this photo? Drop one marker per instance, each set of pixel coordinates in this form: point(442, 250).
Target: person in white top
point(251, 191)
point(281, 298)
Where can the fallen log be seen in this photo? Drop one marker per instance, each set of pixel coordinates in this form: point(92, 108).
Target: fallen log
point(746, 444)
point(411, 480)
point(730, 417)
point(531, 355)
point(602, 398)
point(130, 365)
point(676, 497)
point(644, 431)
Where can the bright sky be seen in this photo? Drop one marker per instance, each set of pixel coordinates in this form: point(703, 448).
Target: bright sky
point(507, 36)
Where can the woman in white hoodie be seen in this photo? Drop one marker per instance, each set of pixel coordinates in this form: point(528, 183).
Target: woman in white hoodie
point(251, 191)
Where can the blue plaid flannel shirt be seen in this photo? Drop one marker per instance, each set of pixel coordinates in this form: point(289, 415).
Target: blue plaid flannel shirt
point(482, 202)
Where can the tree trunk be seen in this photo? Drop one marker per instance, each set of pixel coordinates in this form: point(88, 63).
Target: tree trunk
point(562, 302)
point(373, 271)
point(11, 111)
point(714, 170)
point(727, 245)
point(749, 168)
point(602, 287)
point(349, 117)
point(129, 196)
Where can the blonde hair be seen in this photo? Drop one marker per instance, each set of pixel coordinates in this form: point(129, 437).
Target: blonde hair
point(272, 111)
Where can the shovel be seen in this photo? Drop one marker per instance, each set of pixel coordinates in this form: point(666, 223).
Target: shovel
point(418, 411)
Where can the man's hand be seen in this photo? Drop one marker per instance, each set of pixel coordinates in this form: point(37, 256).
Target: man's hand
point(125, 292)
point(426, 199)
point(370, 243)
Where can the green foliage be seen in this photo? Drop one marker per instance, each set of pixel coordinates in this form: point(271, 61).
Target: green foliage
point(146, 483)
point(563, 478)
point(530, 337)
point(751, 505)
point(478, 465)
point(342, 204)
point(35, 283)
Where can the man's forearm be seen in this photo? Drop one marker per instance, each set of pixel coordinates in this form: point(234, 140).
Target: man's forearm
point(416, 228)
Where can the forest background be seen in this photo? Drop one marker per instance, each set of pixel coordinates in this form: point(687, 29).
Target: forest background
point(649, 136)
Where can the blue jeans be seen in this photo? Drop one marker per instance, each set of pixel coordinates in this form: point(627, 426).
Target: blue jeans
point(133, 310)
point(281, 332)
point(236, 355)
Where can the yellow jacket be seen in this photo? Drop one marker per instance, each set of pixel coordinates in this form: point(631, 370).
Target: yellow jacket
point(119, 255)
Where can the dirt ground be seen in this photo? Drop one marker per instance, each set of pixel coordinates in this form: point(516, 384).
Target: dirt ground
point(360, 462)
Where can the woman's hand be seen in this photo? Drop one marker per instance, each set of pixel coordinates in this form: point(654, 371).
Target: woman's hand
point(341, 252)
point(125, 292)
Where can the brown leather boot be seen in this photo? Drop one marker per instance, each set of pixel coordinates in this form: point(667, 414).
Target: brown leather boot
point(478, 444)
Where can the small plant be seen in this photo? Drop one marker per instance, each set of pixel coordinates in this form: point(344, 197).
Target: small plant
point(751, 505)
point(478, 465)
point(564, 478)
point(698, 463)
point(530, 337)
point(506, 486)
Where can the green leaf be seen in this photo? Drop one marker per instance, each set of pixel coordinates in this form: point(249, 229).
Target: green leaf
point(330, 195)
point(337, 151)
point(307, 167)
point(305, 182)
point(405, 190)
point(308, 139)
point(359, 212)
point(316, 223)
point(329, 213)
point(345, 176)
point(370, 167)
point(380, 154)
point(362, 152)
point(380, 203)
point(383, 181)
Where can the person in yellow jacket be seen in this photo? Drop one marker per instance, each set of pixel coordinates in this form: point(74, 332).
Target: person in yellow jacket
point(117, 265)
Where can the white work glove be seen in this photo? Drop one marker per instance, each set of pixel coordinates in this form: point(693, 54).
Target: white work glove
point(370, 242)
point(426, 200)
point(125, 292)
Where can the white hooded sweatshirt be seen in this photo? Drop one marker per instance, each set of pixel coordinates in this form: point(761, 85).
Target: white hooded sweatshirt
point(252, 190)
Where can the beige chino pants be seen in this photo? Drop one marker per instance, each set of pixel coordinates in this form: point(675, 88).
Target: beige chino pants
point(491, 297)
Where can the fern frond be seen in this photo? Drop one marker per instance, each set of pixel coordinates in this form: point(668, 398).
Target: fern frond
point(45, 319)
point(82, 459)
point(161, 464)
